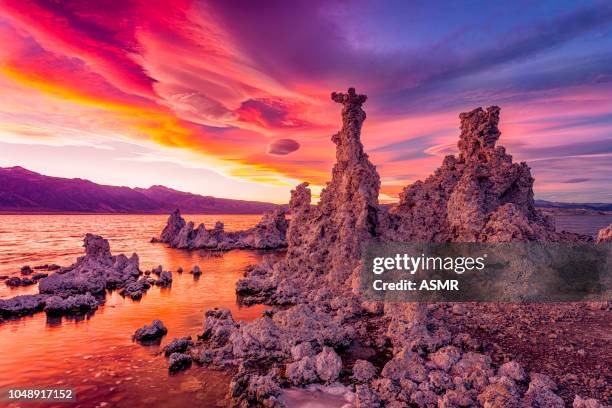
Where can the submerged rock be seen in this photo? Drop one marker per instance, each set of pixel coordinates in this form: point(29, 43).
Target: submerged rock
point(154, 331)
point(26, 270)
point(165, 279)
point(135, 290)
point(56, 305)
point(179, 362)
point(178, 345)
point(22, 305)
point(196, 271)
point(16, 281)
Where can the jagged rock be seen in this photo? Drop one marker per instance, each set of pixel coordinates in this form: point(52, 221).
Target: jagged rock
point(178, 345)
point(502, 394)
point(173, 227)
point(22, 305)
point(604, 235)
point(363, 371)
point(26, 270)
point(165, 279)
point(269, 233)
point(328, 364)
point(155, 331)
point(16, 281)
point(445, 358)
point(56, 305)
point(479, 195)
point(92, 273)
point(540, 393)
point(157, 270)
point(366, 397)
point(218, 326)
point(135, 290)
point(248, 390)
point(196, 271)
point(179, 362)
point(302, 371)
point(39, 275)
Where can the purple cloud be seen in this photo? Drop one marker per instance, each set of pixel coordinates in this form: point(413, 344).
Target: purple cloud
point(282, 147)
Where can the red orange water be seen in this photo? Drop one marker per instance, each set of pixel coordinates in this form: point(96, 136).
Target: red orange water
point(95, 355)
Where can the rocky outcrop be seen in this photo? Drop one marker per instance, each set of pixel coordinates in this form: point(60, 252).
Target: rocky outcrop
point(604, 235)
point(152, 332)
point(56, 305)
point(269, 233)
point(93, 273)
point(325, 241)
point(82, 286)
point(22, 305)
point(480, 195)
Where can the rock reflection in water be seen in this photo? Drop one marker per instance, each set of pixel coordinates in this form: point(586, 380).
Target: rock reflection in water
point(94, 353)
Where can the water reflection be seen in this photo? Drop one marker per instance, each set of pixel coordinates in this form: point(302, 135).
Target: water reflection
point(94, 353)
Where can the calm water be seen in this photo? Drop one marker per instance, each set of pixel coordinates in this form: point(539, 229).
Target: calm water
point(95, 355)
point(583, 224)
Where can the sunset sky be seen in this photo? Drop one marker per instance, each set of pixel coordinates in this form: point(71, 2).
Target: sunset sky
point(231, 98)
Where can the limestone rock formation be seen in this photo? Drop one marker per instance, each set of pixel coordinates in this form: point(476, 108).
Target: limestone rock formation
point(269, 233)
point(481, 195)
point(82, 286)
point(325, 241)
point(605, 235)
point(94, 272)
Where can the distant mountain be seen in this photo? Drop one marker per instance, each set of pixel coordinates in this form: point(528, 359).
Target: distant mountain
point(22, 190)
point(586, 206)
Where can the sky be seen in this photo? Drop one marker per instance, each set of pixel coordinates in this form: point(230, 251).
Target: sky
point(231, 98)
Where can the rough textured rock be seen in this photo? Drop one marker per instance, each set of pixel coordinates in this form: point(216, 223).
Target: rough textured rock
point(179, 362)
point(93, 273)
point(154, 331)
point(56, 305)
point(269, 233)
point(178, 345)
point(478, 196)
point(22, 305)
point(165, 279)
point(363, 371)
point(135, 290)
point(604, 235)
point(328, 365)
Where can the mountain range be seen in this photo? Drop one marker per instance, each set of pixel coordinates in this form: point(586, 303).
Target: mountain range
point(24, 191)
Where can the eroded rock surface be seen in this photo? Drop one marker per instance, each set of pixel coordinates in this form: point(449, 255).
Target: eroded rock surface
point(605, 235)
point(269, 233)
point(82, 286)
point(151, 332)
point(479, 195)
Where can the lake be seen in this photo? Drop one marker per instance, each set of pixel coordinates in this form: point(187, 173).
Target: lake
point(95, 355)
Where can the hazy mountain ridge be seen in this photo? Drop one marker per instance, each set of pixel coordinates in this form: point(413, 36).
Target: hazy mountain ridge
point(22, 190)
